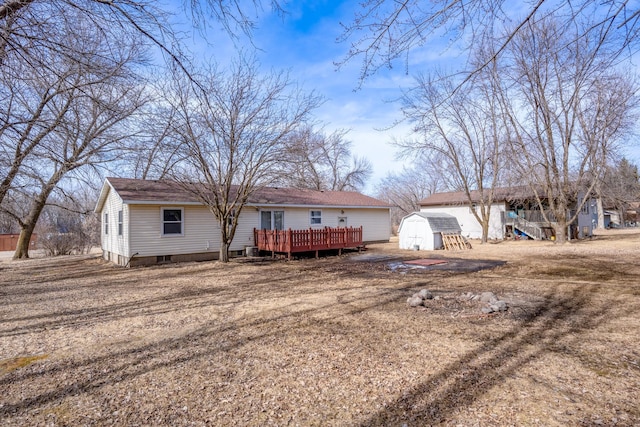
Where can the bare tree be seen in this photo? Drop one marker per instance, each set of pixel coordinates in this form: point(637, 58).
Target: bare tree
point(68, 225)
point(84, 123)
point(465, 131)
point(567, 109)
point(25, 25)
point(386, 31)
point(43, 48)
point(157, 150)
point(321, 161)
point(404, 190)
point(234, 134)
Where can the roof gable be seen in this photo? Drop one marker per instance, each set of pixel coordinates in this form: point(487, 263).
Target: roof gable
point(438, 222)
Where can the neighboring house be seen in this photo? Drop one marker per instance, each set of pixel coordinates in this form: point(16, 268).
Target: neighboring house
point(146, 222)
point(514, 212)
point(423, 230)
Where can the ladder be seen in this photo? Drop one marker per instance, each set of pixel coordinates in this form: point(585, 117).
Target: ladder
point(454, 242)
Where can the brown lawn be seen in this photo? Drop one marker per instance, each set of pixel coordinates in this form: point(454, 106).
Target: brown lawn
point(329, 341)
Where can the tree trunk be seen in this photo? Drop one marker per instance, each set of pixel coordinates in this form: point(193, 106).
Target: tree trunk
point(485, 230)
point(224, 252)
point(22, 248)
point(600, 213)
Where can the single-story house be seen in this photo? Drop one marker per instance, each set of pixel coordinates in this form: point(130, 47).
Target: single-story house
point(514, 211)
point(146, 221)
point(423, 230)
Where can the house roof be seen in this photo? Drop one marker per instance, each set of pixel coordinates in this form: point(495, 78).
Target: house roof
point(438, 222)
point(138, 191)
point(501, 194)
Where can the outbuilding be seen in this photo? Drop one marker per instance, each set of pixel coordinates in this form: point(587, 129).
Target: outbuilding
point(423, 230)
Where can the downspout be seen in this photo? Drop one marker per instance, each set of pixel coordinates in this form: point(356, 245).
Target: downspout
point(130, 258)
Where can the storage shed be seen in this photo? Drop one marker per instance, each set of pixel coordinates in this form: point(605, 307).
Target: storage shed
point(422, 230)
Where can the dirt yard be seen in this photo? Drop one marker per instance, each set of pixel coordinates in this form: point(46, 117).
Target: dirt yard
point(329, 341)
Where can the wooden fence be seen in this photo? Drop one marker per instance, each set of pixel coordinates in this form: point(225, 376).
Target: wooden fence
point(313, 239)
point(8, 242)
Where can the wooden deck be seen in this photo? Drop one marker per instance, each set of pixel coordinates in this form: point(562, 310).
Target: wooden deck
point(313, 239)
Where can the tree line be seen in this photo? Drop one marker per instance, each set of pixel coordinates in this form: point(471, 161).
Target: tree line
point(81, 100)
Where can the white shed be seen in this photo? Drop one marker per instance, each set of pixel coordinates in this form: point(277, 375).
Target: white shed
point(422, 230)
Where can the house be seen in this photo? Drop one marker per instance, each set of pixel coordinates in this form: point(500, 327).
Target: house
point(514, 212)
point(423, 230)
point(146, 222)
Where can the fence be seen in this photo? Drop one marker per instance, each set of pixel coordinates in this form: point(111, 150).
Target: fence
point(8, 242)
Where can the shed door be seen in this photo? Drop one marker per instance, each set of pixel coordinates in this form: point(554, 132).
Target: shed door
point(415, 234)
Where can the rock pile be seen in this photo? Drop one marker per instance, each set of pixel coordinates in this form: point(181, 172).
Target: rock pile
point(487, 301)
point(491, 303)
point(418, 298)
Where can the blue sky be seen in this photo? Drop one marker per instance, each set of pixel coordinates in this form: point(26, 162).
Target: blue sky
point(304, 43)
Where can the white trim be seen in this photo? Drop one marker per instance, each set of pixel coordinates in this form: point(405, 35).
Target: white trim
point(160, 202)
point(162, 221)
point(265, 206)
point(311, 223)
point(120, 222)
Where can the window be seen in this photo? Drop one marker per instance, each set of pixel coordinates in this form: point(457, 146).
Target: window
point(315, 217)
point(172, 221)
point(106, 223)
point(272, 220)
point(119, 223)
point(278, 220)
point(585, 208)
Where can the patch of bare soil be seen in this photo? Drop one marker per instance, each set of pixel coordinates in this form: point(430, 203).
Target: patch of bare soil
point(328, 341)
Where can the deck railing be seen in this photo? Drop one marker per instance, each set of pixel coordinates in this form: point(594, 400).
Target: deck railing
point(312, 239)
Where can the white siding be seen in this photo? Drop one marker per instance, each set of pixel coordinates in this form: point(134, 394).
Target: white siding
point(376, 223)
point(470, 226)
point(112, 242)
point(249, 219)
point(200, 231)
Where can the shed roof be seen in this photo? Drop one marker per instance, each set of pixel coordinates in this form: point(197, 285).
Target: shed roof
point(138, 191)
point(438, 222)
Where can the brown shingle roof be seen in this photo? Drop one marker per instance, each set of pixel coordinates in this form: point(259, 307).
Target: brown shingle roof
point(137, 190)
point(501, 194)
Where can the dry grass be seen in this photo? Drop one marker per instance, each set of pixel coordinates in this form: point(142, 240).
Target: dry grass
point(327, 342)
